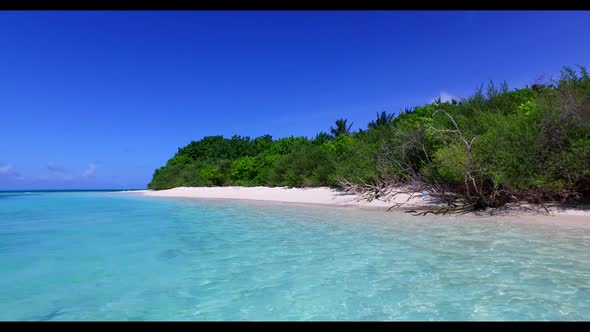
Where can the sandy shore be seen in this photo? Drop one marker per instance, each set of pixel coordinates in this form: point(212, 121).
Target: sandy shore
point(320, 196)
point(324, 196)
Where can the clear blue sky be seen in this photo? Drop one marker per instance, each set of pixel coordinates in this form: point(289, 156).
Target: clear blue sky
point(100, 99)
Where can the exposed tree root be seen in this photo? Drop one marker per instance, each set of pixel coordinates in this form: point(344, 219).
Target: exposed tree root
point(445, 210)
point(458, 200)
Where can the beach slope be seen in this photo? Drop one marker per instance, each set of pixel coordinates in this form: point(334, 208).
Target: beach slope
point(321, 196)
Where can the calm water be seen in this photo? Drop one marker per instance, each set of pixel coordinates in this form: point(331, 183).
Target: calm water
point(115, 256)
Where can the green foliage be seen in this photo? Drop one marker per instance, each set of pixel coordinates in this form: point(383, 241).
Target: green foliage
point(179, 160)
point(322, 138)
point(287, 145)
point(338, 145)
point(383, 119)
point(342, 128)
point(509, 151)
point(354, 160)
point(450, 163)
point(308, 166)
point(211, 175)
point(243, 170)
point(573, 163)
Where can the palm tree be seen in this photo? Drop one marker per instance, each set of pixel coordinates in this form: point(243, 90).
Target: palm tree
point(341, 128)
point(322, 137)
point(382, 119)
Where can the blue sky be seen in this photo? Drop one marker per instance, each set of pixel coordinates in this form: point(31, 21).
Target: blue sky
point(100, 99)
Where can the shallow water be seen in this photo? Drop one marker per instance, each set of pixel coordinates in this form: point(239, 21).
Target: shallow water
point(116, 256)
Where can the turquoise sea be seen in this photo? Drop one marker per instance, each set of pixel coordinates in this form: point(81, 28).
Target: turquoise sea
point(120, 256)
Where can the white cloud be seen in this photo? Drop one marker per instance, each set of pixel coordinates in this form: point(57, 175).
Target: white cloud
point(445, 97)
point(57, 173)
point(89, 172)
point(54, 168)
point(6, 170)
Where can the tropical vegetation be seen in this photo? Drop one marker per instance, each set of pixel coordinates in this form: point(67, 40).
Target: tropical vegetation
point(494, 147)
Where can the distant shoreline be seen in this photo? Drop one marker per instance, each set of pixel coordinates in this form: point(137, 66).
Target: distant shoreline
point(330, 197)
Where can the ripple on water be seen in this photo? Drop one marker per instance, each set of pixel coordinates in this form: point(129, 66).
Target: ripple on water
point(100, 256)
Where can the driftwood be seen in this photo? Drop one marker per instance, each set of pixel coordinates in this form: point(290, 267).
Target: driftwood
point(446, 209)
point(454, 200)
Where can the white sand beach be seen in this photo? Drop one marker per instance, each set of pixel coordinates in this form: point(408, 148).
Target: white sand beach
point(325, 196)
point(321, 196)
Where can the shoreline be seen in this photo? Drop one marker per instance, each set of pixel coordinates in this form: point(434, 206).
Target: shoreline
point(325, 196)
